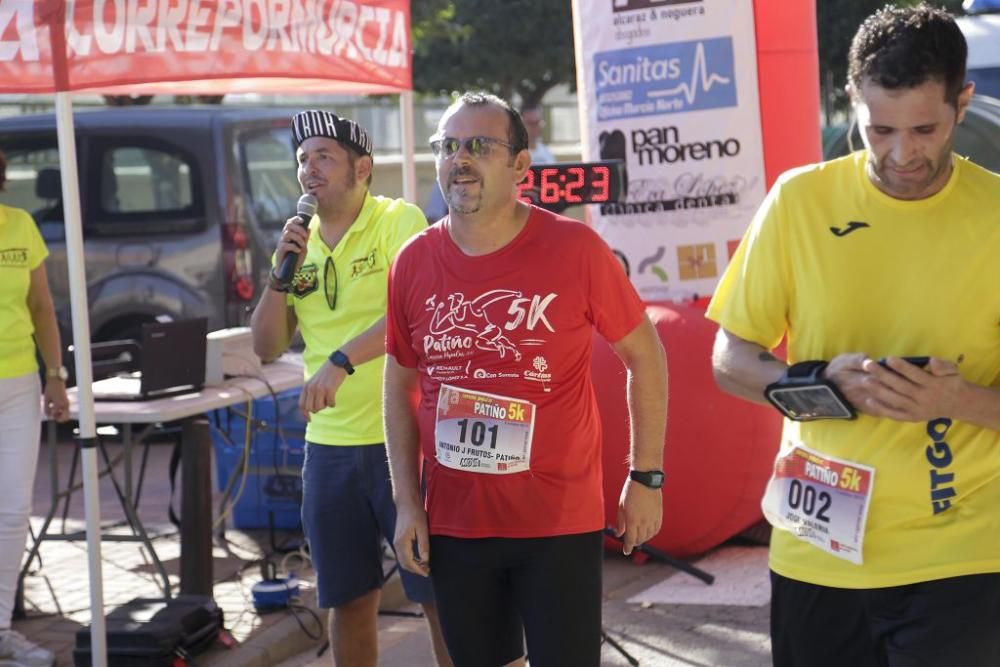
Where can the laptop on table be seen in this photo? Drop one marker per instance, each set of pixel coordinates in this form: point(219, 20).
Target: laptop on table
point(171, 362)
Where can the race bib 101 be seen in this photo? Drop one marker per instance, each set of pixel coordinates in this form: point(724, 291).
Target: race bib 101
point(483, 433)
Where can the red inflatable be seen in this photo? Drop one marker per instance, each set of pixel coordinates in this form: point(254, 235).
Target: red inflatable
point(719, 449)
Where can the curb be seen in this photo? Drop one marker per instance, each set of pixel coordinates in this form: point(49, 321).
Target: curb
point(285, 638)
point(279, 640)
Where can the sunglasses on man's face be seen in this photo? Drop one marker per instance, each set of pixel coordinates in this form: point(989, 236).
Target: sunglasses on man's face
point(446, 147)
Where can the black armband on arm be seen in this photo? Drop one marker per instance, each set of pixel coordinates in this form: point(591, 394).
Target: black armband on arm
point(803, 394)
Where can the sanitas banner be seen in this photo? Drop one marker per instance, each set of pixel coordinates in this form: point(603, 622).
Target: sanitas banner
point(670, 88)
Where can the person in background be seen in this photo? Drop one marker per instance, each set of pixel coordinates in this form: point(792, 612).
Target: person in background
point(436, 207)
point(496, 338)
point(534, 123)
point(886, 492)
point(27, 324)
point(337, 299)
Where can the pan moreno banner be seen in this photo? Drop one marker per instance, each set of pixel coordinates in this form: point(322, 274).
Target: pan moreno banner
point(58, 45)
point(670, 88)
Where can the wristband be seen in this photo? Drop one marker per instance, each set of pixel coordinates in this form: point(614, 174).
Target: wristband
point(275, 284)
point(649, 478)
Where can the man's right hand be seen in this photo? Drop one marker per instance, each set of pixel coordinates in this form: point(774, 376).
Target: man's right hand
point(320, 391)
point(411, 531)
point(294, 237)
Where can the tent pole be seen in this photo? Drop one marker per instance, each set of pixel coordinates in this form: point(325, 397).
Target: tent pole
point(84, 375)
point(408, 165)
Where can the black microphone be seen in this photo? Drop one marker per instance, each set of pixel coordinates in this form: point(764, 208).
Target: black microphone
point(305, 210)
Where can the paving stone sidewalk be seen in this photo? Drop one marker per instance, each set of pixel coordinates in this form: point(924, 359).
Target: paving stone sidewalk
point(57, 593)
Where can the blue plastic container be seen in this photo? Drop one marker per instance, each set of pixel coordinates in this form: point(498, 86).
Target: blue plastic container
point(272, 493)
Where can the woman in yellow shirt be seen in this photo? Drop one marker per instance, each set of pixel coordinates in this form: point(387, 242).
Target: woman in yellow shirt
point(27, 322)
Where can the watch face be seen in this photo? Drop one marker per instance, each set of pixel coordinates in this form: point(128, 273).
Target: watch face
point(808, 403)
point(341, 360)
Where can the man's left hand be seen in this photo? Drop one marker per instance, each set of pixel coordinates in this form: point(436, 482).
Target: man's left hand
point(321, 389)
point(640, 515)
point(905, 392)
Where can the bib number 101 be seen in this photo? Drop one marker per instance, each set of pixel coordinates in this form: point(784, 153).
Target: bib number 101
point(805, 496)
point(477, 433)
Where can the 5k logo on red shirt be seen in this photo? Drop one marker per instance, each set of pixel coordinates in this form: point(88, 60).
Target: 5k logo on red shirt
point(459, 324)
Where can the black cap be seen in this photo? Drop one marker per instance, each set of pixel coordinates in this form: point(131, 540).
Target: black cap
point(316, 123)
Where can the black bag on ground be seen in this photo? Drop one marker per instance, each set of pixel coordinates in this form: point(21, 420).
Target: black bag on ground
point(150, 632)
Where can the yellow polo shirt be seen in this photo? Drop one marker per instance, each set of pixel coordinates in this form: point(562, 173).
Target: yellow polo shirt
point(356, 272)
point(839, 267)
point(22, 250)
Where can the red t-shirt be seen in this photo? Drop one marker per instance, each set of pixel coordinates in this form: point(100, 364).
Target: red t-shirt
point(516, 323)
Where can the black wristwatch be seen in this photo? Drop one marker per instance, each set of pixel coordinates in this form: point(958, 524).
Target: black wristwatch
point(651, 478)
point(803, 394)
point(340, 359)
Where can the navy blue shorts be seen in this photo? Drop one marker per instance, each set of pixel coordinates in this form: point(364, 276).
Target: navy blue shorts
point(347, 509)
point(494, 594)
point(943, 623)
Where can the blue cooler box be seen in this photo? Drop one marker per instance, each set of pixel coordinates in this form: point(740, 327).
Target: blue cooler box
point(272, 493)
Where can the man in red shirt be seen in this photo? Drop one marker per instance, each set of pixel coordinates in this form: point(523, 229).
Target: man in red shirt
point(491, 316)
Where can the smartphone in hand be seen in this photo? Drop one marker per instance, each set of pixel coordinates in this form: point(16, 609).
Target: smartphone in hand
point(916, 361)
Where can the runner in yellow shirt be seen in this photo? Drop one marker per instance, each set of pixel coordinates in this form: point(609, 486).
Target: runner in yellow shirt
point(886, 548)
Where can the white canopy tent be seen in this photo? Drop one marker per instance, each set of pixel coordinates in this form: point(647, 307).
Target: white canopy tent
point(181, 47)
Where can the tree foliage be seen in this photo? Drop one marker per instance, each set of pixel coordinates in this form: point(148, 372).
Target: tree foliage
point(522, 47)
point(837, 21)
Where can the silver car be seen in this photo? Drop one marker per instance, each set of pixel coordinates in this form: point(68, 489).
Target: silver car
point(181, 208)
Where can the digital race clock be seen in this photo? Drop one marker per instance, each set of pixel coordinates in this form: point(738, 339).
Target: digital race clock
point(563, 184)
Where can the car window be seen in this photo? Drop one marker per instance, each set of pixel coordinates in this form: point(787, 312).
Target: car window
point(33, 184)
point(270, 172)
point(978, 138)
point(141, 186)
point(138, 179)
point(23, 167)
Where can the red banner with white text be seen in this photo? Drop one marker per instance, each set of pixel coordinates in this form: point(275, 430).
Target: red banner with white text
point(205, 47)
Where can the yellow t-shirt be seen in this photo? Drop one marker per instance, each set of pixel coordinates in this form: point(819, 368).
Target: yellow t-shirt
point(842, 267)
point(22, 250)
point(357, 276)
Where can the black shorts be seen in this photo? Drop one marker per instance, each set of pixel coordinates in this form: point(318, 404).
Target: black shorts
point(943, 623)
point(495, 593)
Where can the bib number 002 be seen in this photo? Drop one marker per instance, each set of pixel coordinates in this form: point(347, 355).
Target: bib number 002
point(820, 499)
point(805, 496)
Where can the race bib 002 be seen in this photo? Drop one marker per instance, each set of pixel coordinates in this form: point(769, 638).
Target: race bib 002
point(820, 499)
point(483, 433)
